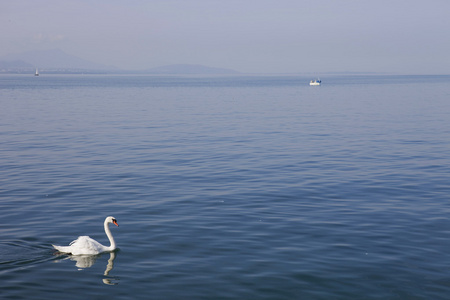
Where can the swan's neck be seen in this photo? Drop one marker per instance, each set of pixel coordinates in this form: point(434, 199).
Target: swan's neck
point(110, 237)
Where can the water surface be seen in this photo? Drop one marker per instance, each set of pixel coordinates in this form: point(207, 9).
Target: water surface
point(238, 187)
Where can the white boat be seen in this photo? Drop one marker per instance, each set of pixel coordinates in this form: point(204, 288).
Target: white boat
point(37, 72)
point(315, 82)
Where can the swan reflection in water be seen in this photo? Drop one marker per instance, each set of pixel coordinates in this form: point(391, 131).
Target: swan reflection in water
point(87, 261)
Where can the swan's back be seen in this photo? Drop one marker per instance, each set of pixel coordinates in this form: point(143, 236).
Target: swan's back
point(82, 245)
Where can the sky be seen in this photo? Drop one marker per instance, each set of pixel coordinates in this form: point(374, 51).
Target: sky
point(251, 36)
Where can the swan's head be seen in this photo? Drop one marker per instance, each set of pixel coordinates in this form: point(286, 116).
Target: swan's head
point(111, 220)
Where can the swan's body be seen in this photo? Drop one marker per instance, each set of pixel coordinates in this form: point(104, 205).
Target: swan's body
point(84, 245)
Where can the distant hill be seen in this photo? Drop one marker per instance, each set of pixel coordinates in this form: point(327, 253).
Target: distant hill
point(52, 60)
point(189, 69)
point(15, 66)
point(57, 61)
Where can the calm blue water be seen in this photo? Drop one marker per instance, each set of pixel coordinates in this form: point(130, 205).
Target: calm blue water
point(246, 187)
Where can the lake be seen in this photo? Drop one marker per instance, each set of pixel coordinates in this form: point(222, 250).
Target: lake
point(226, 187)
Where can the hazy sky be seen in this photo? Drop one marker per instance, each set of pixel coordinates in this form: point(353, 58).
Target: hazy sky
point(400, 36)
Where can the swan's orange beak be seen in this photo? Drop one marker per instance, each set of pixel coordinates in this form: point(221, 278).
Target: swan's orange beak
point(115, 223)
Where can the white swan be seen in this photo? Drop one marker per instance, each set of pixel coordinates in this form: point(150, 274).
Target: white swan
point(84, 245)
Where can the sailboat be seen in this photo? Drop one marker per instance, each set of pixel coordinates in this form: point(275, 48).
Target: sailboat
point(37, 72)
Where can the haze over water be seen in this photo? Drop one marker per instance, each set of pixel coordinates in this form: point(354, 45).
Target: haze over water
point(237, 187)
point(255, 36)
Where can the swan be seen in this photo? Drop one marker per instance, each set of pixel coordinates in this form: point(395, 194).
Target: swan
point(84, 245)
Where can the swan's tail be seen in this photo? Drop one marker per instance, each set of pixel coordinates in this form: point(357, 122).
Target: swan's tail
point(63, 249)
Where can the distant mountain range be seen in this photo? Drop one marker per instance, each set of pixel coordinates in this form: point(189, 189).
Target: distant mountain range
point(51, 60)
point(57, 61)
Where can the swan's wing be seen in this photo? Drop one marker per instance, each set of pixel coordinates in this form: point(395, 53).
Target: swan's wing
point(82, 245)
